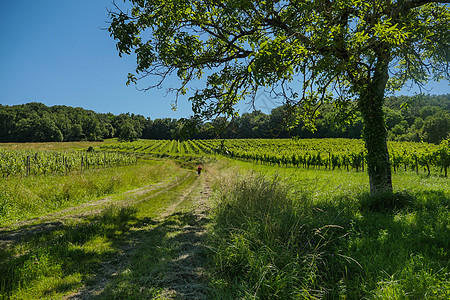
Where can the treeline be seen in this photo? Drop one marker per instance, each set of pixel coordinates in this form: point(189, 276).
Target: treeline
point(417, 118)
point(408, 118)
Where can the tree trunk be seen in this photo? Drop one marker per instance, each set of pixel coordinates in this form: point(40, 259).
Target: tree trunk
point(371, 106)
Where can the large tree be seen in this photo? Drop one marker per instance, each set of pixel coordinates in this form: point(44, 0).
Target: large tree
point(349, 52)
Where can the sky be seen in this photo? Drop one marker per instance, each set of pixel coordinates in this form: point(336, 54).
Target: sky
point(55, 52)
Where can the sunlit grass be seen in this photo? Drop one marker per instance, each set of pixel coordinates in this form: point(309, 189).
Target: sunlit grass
point(319, 234)
point(49, 263)
point(26, 197)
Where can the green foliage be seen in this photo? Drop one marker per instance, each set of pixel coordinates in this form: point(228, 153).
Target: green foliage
point(346, 48)
point(128, 133)
point(253, 44)
point(423, 117)
point(35, 122)
point(28, 162)
point(420, 118)
point(328, 154)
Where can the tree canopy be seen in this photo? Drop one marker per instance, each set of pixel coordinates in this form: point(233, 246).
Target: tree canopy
point(306, 52)
point(408, 118)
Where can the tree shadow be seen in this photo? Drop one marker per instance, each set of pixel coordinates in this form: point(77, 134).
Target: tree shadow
point(168, 258)
point(406, 243)
point(10, 238)
point(185, 275)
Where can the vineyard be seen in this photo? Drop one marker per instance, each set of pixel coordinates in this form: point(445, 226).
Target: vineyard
point(331, 154)
point(30, 162)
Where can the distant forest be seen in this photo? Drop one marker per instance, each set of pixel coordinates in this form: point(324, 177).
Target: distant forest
point(418, 118)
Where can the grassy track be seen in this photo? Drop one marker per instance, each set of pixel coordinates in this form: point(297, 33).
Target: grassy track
point(26, 197)
point(105, 248)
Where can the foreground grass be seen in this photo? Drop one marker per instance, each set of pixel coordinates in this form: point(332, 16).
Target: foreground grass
point(293, 234)
point(286, 234)
point(54, 262)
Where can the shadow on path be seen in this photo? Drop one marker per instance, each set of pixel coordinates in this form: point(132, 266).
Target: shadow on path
point(166, 260)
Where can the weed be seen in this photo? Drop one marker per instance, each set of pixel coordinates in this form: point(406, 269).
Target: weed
point(264, 243)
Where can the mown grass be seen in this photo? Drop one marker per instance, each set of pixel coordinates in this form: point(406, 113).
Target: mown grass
point(51, 145)
point(166, 260)
point(26, 197)
point(304, 234)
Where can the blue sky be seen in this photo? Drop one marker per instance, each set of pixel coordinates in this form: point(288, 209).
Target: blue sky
point(54, 52)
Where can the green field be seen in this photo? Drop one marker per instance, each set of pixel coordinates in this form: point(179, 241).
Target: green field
point(267, 219)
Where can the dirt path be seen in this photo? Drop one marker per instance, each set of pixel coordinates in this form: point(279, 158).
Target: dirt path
point(184, 278)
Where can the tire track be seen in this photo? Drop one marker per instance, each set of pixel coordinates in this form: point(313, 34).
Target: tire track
point(19, 231)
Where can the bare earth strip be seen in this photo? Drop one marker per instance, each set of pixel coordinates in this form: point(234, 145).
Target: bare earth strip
point(184, 274)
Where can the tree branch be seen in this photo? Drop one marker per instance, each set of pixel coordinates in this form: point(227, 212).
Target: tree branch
point(405, 6)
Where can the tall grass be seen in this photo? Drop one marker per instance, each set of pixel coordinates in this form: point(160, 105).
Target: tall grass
point(279, 238)
point(265, 246)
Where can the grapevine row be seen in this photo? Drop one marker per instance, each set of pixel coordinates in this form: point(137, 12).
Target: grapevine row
point(328, 154)
point(28, 162)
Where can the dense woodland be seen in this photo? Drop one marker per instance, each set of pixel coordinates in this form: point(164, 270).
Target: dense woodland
point(419, 118)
